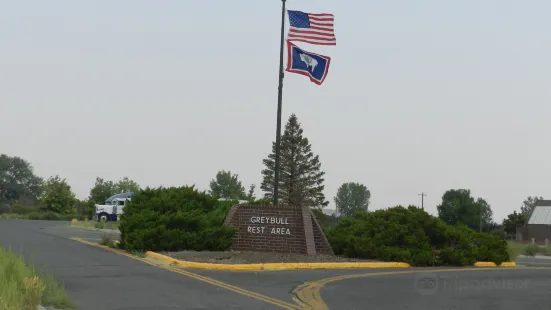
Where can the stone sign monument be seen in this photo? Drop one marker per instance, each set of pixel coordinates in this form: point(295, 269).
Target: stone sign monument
point(284, 229)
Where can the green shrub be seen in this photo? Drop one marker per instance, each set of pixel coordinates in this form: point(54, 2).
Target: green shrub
point(411, 235)
point(546, 251)
point(173, 219)
point(107, 241)
point(531, 250)
point(325, 220)
point(38, 215)
point(49, 216)
point(22, 209)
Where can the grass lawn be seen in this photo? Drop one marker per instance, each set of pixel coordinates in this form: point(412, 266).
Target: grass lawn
point(47, 216)
point(97, 225)
point(515, 249)
point(24, 287)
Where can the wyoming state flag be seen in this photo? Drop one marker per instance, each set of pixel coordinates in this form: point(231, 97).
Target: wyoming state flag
point(314, 66)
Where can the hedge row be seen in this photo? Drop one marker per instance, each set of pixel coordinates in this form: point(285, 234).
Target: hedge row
point(173, 219)
point(411, 235)
point(182, 218)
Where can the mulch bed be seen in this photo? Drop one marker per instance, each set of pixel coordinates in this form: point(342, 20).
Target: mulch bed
point(239, 257)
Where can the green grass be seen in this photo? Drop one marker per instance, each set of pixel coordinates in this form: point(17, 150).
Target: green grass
point(97, 225)
point(515, 249)
point(138, 253)
point(37, 215)
point(24, 287)
point(107, 241)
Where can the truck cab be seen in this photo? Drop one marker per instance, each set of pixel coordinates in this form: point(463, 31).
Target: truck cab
point(113, 207)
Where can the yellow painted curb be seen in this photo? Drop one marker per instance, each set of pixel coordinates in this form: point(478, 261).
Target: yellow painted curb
point(485, 264)
point(492, 264)
point(273, 266)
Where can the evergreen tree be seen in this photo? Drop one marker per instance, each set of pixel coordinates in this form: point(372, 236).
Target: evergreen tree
point(300, 175)
point(250, 195)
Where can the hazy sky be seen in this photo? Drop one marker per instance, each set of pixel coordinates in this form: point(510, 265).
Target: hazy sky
point(421, 95)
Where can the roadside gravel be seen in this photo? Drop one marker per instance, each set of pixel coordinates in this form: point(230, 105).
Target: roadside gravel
point(239, 257)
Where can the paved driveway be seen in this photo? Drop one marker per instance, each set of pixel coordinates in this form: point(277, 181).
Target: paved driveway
point(99, 279)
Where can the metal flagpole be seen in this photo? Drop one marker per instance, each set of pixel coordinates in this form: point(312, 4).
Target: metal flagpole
point(279, 99)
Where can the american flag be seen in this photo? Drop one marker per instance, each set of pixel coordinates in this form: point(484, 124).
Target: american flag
point(311, 28)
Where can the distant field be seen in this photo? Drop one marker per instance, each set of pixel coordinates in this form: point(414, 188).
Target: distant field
point(516, 248)
point(24, 286)
point(96, 225)
point(37, 215)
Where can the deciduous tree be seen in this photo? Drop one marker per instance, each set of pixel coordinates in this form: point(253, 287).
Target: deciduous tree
point(227, 185)
point(101, 190)
point(126, 185)
point(459, 207)
point(529, 204)
point(514, 220)
point(352, 197)
point(17, 180)
point(57, 196)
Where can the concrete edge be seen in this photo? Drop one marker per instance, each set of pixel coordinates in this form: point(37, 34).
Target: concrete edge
point(492, 264)
point(273, 266)
point(278, 266)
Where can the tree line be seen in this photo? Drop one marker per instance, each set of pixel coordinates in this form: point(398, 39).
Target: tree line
point(21, 190)
point(301, 183)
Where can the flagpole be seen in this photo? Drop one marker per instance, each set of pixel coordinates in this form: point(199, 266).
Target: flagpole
point(279, 102)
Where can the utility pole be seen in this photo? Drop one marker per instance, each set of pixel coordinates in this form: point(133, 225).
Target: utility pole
point(480, 219)
point(279, 102)
point(422, 199)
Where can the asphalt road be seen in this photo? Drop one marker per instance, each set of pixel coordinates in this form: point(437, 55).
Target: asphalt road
point(98, 279)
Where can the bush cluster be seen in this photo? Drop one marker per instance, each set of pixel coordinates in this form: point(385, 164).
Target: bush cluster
point(38, 215)
point(411, 235)
point(534, 249)
point(174, 219)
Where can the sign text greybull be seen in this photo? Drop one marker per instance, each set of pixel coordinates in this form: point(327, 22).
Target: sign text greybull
point(272, 220)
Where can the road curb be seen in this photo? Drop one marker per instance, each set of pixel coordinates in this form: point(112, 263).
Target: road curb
point(492, 264)
point(273, 266)
point(281, 266)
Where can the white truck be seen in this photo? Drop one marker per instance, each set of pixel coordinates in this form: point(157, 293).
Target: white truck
point(113, 207)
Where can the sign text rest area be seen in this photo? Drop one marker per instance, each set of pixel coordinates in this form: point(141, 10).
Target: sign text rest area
point(272, 220)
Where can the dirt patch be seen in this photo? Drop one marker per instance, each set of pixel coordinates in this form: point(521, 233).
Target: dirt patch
point(238, 257)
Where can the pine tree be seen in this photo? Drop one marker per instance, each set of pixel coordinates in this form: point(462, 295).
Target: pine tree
point(300, 175)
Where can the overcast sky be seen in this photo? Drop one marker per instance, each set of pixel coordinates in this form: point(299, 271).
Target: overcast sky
point(421, 96)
